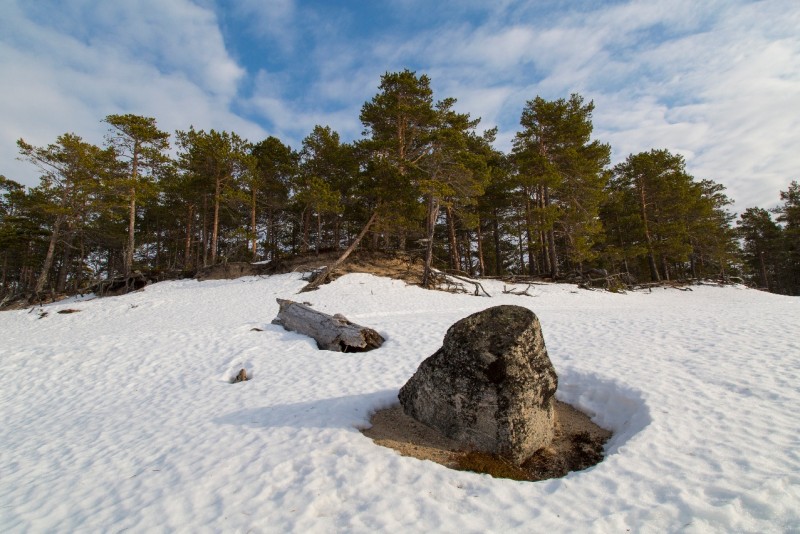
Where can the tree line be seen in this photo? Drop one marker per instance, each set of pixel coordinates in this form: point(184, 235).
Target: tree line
point(423, 180)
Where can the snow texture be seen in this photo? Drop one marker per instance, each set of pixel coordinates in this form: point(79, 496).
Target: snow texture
point(122, 416)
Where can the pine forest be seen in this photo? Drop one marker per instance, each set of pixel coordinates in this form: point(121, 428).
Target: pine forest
point(424, 181)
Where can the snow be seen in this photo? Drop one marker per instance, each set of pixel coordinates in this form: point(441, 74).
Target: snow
point(122, 416)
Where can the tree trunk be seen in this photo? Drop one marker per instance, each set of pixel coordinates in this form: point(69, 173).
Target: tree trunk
point(470, 267)
point(498, 261)
point(521, 252)
point(433, 214)
point(651, 258)
point(306, 223)
point(764, 279)
point(188, 245)
point(5, 270)
point(253, 224)
point(319, 233)
point(542, 235)
point(78, 281)
point(528, 226)
point(131, 227)
point(269, 253)
point(132, 210)
point(481, 264)
point(205, 230)
point(455, 263)
point(158, 243)
point(61, 282)
point(551, 241)
point(215, 227)
point(48, 259)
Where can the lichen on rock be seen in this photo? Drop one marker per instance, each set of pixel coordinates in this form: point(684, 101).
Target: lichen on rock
point(490, 386)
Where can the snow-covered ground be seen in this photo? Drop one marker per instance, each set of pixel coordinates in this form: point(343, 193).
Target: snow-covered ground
point(122, 417)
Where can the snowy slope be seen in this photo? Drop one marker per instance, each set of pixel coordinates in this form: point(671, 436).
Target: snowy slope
point(121, 416)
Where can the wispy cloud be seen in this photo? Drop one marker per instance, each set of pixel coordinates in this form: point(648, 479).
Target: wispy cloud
point(717, 81)
point(67, 67)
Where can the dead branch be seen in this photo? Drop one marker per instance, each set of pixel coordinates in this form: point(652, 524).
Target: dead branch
point(478, 287)
point(513, 291)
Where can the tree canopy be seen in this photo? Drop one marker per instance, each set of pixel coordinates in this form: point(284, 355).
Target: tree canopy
point(422, 181)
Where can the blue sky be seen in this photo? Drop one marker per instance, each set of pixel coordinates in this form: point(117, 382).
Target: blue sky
point(716, 81)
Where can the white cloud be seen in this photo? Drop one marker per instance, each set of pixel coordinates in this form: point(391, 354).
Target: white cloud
point(293, 121)
point(274, 20)
point(716, 81)
point(165, 60)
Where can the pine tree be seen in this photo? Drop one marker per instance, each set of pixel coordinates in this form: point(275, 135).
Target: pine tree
point(141, 145)
point(655, 186)
point(218, 160)
point(276, 167)
point(72, 173)
point(399, 122)
point(789, 216)
point(762, 247)
point(561, 178)
point(20, 237)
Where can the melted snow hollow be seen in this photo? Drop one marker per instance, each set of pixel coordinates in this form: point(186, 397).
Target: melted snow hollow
point(122, 416)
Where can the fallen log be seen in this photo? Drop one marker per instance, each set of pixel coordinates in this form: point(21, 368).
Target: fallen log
point(331, 332)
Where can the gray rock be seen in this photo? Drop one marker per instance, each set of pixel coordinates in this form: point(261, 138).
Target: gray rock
point(490, 386)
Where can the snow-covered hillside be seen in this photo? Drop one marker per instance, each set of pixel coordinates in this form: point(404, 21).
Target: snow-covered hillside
point(121, 416)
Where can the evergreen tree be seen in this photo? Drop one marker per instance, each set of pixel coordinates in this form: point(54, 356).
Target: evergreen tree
point(789, 216)
point(561, 178)
point(328, 175)
point(218, 160)
point(140, 145)
point(276, 167)
point(712, 238)
point(399, 122)
point(20, 235)
point(655, 186)
point(72, 171)
point(762, 242)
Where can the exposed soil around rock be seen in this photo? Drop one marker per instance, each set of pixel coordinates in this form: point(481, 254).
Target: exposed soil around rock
point(578, 444)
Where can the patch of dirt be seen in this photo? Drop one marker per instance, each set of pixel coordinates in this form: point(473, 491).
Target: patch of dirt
point(398, 266)
point(578, 444)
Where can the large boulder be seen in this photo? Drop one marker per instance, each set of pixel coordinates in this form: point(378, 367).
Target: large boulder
point(490, 386)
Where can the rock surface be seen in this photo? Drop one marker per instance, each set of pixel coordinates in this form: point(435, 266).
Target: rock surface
point(490, 386)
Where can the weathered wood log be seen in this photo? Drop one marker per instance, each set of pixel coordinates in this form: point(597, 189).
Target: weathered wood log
point(331, 332)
